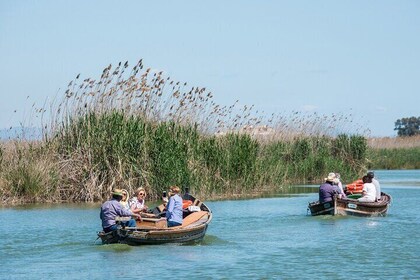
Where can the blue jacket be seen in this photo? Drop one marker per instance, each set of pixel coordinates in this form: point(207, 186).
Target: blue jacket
point(174, 209)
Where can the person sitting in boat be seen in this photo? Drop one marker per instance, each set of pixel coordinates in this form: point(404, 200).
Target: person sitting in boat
point(174, 207)
point(138, 203)
point(369, 191)
point(339, 185)
point(327, 190)
point(112, 209)
point(125, 199)
point(371, 175)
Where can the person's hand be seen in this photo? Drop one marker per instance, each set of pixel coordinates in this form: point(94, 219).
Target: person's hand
point(138, 217)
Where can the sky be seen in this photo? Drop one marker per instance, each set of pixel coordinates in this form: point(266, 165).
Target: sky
point(351, 57)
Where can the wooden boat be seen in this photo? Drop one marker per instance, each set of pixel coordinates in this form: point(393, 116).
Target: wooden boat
point(155, 231)
point(350, 206)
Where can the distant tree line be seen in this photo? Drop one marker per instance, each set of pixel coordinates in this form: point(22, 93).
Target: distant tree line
point(408, 126)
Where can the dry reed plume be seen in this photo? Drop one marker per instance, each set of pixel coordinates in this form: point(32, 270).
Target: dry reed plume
point(394, 142)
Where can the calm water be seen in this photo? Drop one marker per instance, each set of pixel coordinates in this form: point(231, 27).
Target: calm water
point(267, 238)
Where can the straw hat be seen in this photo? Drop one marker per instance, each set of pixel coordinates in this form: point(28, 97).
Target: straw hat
point(331, 177)
point(117, 192)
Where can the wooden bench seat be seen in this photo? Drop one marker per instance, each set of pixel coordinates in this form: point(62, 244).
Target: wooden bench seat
point(152, 223)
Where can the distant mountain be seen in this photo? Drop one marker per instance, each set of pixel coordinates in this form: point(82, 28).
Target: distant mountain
point(26, 133)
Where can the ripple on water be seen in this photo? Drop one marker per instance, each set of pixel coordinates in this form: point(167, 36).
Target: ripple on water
point(267, 238)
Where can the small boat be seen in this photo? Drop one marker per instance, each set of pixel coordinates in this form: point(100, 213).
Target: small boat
point(350, 206)
point(151, 231)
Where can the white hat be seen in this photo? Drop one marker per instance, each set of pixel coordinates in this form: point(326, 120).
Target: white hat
point(331, 177)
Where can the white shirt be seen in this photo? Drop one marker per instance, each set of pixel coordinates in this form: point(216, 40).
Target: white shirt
point(370, 190)
point(377, 188)
point(138, 204)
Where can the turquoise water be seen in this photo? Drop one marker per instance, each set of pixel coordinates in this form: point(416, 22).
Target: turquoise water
point(267, 238)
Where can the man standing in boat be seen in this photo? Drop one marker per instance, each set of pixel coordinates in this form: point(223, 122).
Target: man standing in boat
point(371, 175)
point(112, 209)
point(328, 189)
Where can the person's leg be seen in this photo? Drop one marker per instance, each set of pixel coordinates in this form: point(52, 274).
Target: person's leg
point(132, 223)
point(173, 224)
point(111, 228)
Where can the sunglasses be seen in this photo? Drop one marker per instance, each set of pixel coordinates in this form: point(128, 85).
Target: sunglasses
point(142, 194)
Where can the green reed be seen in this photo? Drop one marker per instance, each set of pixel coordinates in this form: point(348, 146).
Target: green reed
point(394, 158)
point(130, 152)
point(27, 173)
point(137, 127)
point(394, 152)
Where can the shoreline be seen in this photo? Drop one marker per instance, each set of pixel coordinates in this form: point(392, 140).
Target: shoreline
point(281, 191)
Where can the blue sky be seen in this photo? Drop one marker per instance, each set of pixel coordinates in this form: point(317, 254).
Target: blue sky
point(353, 57)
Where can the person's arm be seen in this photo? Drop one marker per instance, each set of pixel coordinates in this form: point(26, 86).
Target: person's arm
point(170, 206)
point(336, 191)
point(134, 209)
point(147, 215)
point(121, 211)
point(128, 213)
point(364, 190)
point(137, 216)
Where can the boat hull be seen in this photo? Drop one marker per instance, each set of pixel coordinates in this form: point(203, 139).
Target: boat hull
point(352, 207)
point(148, 234)
point(169, 236)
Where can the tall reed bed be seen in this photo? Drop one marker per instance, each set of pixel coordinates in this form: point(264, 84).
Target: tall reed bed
point(137, 127)
point(408, 158)
point(28, 173)
point(308, 159)
point(126, 151)
point(394, 153)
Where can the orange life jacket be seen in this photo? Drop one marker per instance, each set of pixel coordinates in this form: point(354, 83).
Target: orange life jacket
point(355, 187)
point(186, 204)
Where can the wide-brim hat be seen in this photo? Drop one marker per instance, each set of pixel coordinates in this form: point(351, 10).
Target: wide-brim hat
point(331, 177)
point(117, 192)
